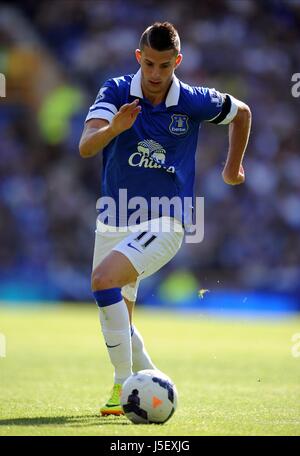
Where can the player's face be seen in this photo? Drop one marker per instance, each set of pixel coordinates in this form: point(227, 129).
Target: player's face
point(157, 69)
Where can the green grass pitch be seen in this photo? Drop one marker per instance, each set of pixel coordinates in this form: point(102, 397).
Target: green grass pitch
point(234, 377)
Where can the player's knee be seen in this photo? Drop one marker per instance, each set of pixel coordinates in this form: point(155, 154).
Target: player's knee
point(100, 280)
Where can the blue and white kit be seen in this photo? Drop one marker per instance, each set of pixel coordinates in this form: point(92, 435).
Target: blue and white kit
point(156, 156)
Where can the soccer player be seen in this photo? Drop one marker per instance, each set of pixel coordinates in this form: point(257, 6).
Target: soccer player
point(147, 126)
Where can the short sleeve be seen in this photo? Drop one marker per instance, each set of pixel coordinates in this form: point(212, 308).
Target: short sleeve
point(106, 104)
point(213, 106)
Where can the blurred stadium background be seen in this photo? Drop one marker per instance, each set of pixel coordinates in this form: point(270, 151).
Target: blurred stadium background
point(56, 55)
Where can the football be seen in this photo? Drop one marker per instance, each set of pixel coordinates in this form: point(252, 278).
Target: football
point(149, 396)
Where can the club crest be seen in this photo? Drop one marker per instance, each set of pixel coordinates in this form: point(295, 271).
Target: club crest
point(179, 124)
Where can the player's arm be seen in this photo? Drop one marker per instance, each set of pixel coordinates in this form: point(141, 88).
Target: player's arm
point(223, 109)
point(98, 133)
point(239, 131)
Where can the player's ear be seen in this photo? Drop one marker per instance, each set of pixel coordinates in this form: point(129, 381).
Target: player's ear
point(138, 55)
point(178, 60)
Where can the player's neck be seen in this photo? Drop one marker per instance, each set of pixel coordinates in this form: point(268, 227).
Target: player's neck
point(155, 99)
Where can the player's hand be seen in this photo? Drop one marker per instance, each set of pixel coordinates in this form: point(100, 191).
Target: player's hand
point(125, 117)
point(231, 179)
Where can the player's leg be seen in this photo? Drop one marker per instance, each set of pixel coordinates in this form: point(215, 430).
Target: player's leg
point(113, 313)
point(140, 358)
point(114, 271)
point(148, 250)
point(130, 306)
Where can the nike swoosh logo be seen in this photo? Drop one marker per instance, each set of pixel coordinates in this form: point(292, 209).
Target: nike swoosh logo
point(112, 346)
point(132, 246)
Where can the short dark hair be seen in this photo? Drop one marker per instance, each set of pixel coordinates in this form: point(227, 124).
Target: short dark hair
point(161, 36)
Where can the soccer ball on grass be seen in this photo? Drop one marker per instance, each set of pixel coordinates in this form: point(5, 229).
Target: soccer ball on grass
point(149, 396)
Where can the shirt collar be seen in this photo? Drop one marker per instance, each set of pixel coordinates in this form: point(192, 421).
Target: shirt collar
point(173, 94)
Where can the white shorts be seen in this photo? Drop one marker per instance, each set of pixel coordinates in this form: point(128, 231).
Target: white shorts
point(148, 246)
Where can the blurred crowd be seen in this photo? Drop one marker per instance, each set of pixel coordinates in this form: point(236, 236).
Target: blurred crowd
point(56, 55)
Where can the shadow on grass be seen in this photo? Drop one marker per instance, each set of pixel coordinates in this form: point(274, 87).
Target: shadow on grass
point(72, 421)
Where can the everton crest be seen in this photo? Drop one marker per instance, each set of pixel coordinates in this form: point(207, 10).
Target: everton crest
point(179, 124)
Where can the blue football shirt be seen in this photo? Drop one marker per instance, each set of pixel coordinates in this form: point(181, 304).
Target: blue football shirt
point(155, 158)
